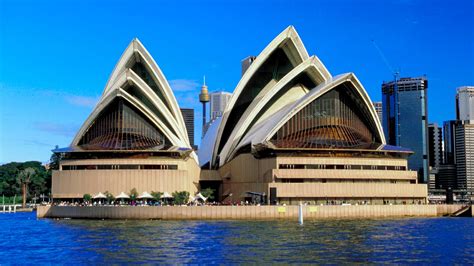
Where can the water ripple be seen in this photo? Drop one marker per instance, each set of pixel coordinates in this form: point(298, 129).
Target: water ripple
point(25, 239)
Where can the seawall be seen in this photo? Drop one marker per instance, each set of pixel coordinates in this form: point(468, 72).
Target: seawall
point(244, 212)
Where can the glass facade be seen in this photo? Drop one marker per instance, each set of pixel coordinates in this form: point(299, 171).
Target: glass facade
point(405, 120)
point(334, 120)
point(120, 127)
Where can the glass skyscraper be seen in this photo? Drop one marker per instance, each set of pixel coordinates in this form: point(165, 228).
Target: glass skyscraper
point(405, 120)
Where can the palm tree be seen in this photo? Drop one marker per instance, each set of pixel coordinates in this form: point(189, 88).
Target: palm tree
point(24, 178)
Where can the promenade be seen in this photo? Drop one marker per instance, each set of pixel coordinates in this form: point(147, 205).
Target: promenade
point(246, 212)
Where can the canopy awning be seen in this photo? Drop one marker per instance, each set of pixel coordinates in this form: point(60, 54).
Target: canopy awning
point(145, 195)
point(122, 195)
point(166, 195)
point(100, 195)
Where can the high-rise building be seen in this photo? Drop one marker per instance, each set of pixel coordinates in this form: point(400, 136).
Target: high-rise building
point(218, 102)
point(465, 155)
point(405, 120)
point(449, 137)
point(435, 145)
point(465, 104)
point(188, 116)
point(378, 110)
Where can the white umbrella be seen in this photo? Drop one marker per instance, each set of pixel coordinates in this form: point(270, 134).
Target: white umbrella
point(100, 196)
point(145, 195)
point(122, 196)
point(166, 195)
point(200, 196)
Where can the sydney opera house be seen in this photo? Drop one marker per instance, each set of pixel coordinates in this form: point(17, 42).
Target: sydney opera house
point(291, 132)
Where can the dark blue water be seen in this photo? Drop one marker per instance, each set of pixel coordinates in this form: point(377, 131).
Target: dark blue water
point(24, 239)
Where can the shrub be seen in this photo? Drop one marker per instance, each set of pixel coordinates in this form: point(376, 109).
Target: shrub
point(133, 194)
point(181, 197)
point(156, 195)
point(208, 193)
point(87, 197)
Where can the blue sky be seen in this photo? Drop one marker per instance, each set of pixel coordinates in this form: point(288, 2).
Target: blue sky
point(56, 56)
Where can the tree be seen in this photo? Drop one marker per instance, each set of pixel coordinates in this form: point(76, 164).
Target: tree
point(55, 160)
point(133, 194)
point(109, 196)
point(208, 193)
point(24, 178)
point(87, 198)
point(156, 195)
point(181, 197)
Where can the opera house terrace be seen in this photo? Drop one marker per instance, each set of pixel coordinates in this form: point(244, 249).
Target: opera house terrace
point(292, 132)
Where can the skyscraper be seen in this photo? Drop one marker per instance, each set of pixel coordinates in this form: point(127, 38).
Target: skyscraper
point(465, 155)
point(435, 145)
point(378, 109)
point(188, 116)
point(449, 128)
point(218, 103)
point(465, 104)
point(405, 120)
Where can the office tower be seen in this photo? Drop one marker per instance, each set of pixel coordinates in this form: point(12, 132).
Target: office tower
point(246, 62)
point(405, 119)
point(188, 116)
point(446, 176)
point(378, 109)
point(218, 102)
point(465, 104)
point(465, 155)
point(449, 128)
point(435, 145)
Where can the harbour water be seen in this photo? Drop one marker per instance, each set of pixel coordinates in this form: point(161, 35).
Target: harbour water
point(25, 239)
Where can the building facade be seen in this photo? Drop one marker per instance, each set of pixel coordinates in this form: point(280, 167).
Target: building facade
point(435, 142)
point(292, 132)
point(465, 104)
point(188, 116)
point(378, 110)
point(218, 102)
point(405, 120)
point(134, 138)
point(465, 156)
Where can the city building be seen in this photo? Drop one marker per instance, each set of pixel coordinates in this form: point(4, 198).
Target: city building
point(446, 177)
point(405, 120)
point(294, 133)
point(465, 104)
point(465, 156)
point(378, 110)
point(134, 138)
point(218, 102)
point(188, 116)
point(449, 129)
point(435, 142)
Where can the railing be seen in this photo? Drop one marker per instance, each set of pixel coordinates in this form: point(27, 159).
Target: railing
point(9, 208)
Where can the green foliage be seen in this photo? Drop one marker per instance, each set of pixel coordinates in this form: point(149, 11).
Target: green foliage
point(55, 160)
point(40, 181)
point(156, 195)
point(181, 197)
point(133, 194)
point(208, 193)
point(87, 197)
point(109, 196)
